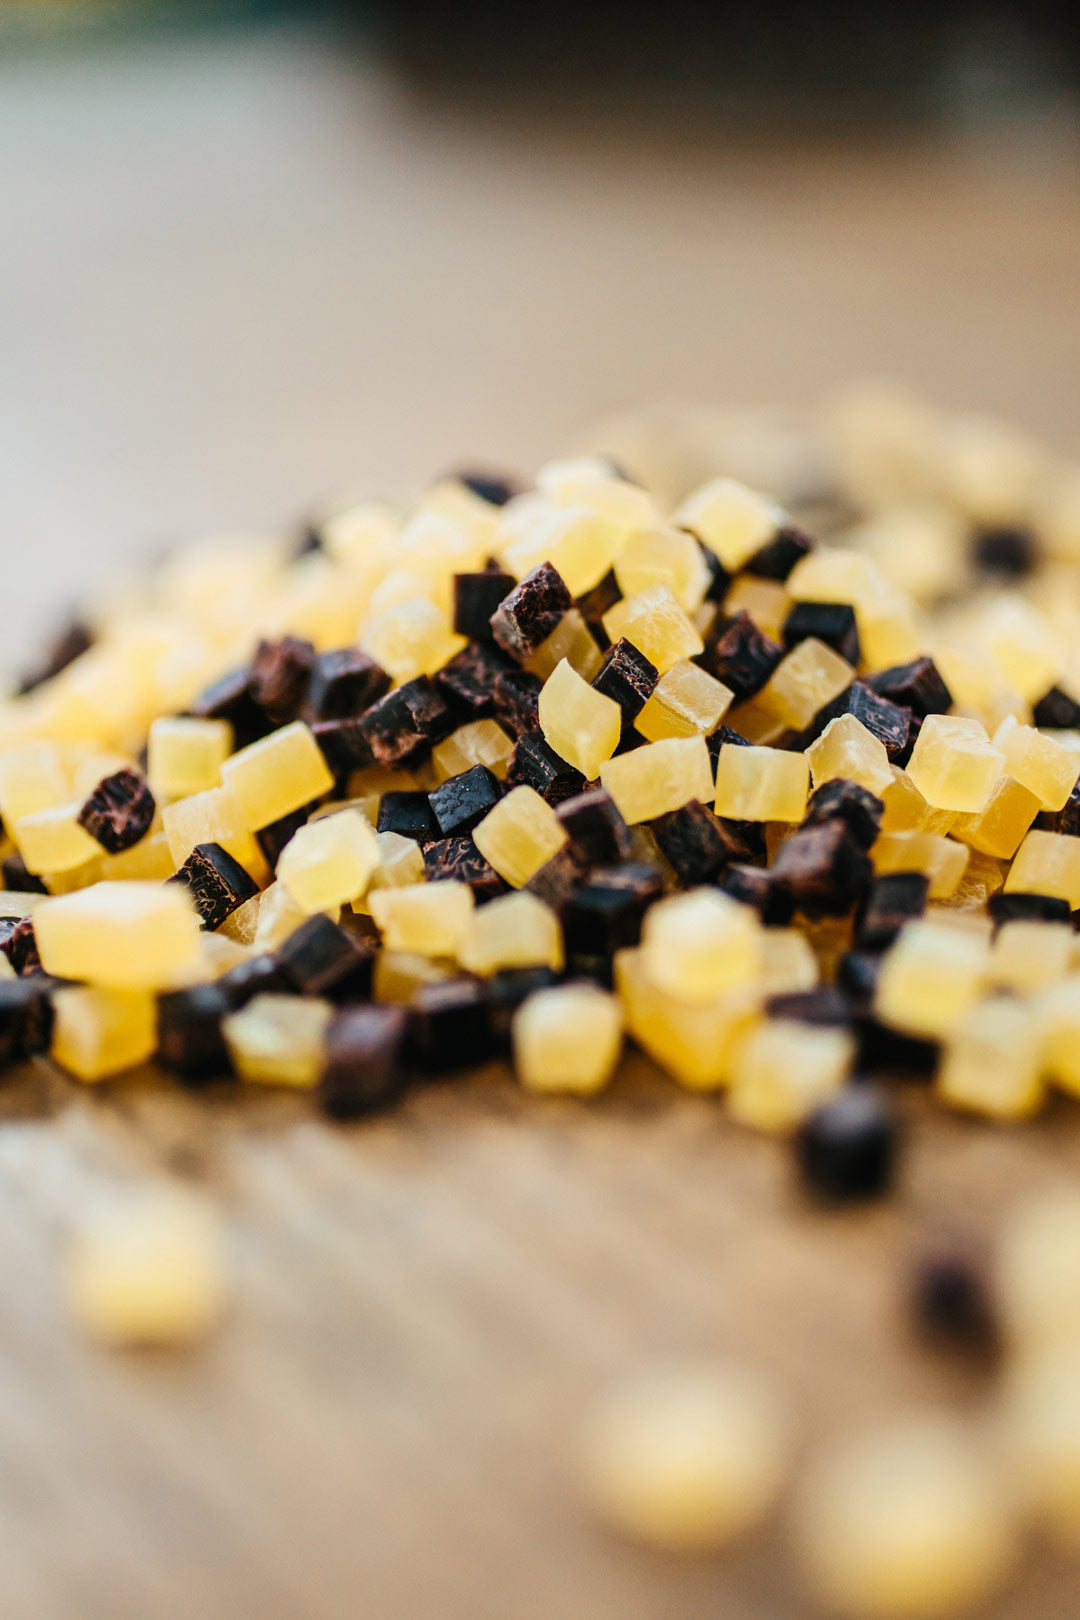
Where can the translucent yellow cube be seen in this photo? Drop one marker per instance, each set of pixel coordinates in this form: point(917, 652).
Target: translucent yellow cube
point(513, 931)
point(98, 1033)
point(783, 1069)
point(242, 924)
point(846, 749)
point(1029, 956)
point(828, 574)
point(519, 835)
point(329, 862)
point(654, 623)
point(943, 860)
point(147, 1269)
point(1057, 1011)
point(367, 786)
point(992, 1063)
point(788, 962)
point(1047, 863)
point(279, 916)
point(32, 778)
point(481, 742)
point(401, 862)
point(694, 1043)
point(573, 640)
point(410, 638)
point(954, 764)
point(125, 936)
point(580, 724)
point(730, 519)
point(52, 840)
point(212, 817)
point(888, 633)
point(582, 545)
point(277, 775)
point(1000, 828)
point(810, 676)
point(761, 784)
point(567, 1038)
point(686, 702)
point(1038, 762)
point(698, 945)
point(756, 724)
point(907, 811)
point(930, 978)
point(983, 876)
point(766, 601)
point(148, 860)
point(425, 919)
point(398, 974)
point(185, 755)
point(649, 781)
point(1022, 645)
point(668, 557)
point(279, 1040)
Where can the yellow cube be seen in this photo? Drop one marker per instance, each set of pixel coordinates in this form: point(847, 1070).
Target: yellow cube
point(668, 557)
point(693, 1042)
point(766, 601)
point(410, 638)
point(992, 1064)
point(329, 862)
point(954, 764)
point(514, 931)
point(1042, 765)
point(930, 978)
point(98, 1033)
point(567, 1038)
point(784, 1069)
point(1000, 828)
point(1057, 1011)
point(649, 781)
point(582, 545)
point(1047, 863)
point(149, 859)
point(847, 749)
point(481, 742)
point(573, 640)
point(425, 919)
point(943, 860)
point(1029, 956)
point(907, 811)
point(580, 724)
point(686, 702)
point(398, 974)
point(279, 1040)
point(810, 676)
point(731, 520)
point(277, 775)
point(125, 936)
point(519, 835)
point(654, 623)
point(761, 784)
point(401, 862)
point(32, 778)
point(212, 817)
point(828, 574)
point(788, 962)
point(278, 917)
point(53, 841)
point(698, 945)
point(185, 755)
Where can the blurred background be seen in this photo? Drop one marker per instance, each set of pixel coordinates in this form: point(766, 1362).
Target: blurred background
point(259, 256)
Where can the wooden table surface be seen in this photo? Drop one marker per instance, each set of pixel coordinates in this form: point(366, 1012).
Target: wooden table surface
point(236, 279)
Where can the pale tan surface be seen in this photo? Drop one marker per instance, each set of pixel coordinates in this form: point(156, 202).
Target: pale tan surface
point(231, 283)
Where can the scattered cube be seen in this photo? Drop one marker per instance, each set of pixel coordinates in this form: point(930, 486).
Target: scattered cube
point(405, 724)
point(627, 676)
point(1043, 766)
point(760, 784)
point(481, 742)
point(190, 1042)
point(279, 1040)
point(408, 812)
point(686, 702)
point(53, 840)
point(930, 978)
point(742, 657)
point(329, 862)
point(693, 1042)
point(185, 755)
point(698, 945)
point(822, 869)
point(830, 622)
point(1028, 956)
point(992, 1063)
point(733, 521)
point(98, 1033)
point(363, 1070)
point(917, 686)
point(476, 598)
point(567, 1038)
point(579, 723)
point(123, 936)
point(784, 1070)
point(320, 959)
point(519, 835)
point(516, 931)
point(659, 777)
point(846, 749)
point(1001, 826)
point(654, 623)
point(426, 919)
point(527, 616)
point(343, 683)
point(1047, 863)
point(697, 843)
point(954, 764)
point(458, 860)
point(276, 775)
point(215, 882)
point(839, 800)
point(942, 860)
point(807, 678)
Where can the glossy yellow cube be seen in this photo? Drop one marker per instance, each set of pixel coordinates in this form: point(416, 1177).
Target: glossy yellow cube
point(147, 861)
point(1029, 956)
point(1001, 827)
point(1047, 863)
point(654, 623)
point(983, 876)
point(992, 1063)
point(693, 1042)
point(277, 775)
point(668, 557)
point(401, 862)
point(425, 919)
point(810, 676)
point(580, 724)
point(52, 840)
point(32, 778)
point(279, 916)
point(513, 931)
point(279, 1040)
point(649, 781)
point(907, 811)
point(731, 520)
point(367, 786)
point(942, 859)
point(954, 764)
point(1057, 1011)
point(573, 640)
point(828, 574)
point(98, 1033)
point(567, 1038)
point(185, 755)
point(756, 724)
point(766, 601)
point(699, 945)
point(1022, 645)
point(398, 974)
point(761, 784)
point(930, 978)
point(582, 545)
point(410, 638)
point(788, 962)
point(686, 702)
point(481, 742)
point(519, 835)
point(846, 749)
point(212, 817)
point(783, 1069)
point(1038, 762)
point(329, 862)
point(125, 936)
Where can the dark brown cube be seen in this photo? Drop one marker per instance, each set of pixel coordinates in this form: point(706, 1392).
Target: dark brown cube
point(535, 763)
point(280, 672)
point(527, 616)
point(461, 801)
point(458, 860)
point(343, 684)
point(216, 882)
point(778, 556)
point(595, 828)
point(119, 811)
point(476, 597)
point(742, 656)
point(917, 686)
point(627, 676)
point(467, 682)
point(840, 800)
point(190, 1040)
point(364, 1071)
point(406, 723)
point(321, 959)
point(517, 701)
point(823, 869)
point(698, 843)
point(229, 698)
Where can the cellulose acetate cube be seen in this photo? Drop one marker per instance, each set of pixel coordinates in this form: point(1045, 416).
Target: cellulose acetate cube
point(329, 862)
point(1000, 828)
point(654, 623)
point(519, 836)
point(659, 777)
point(733, 521)
point(686, 702)
point(1047, 863)
point(98, 1033)
point(992, 1064)
point(784, 1069)
point(426, 919)
point(810, 676)
point(693, 1042)
point(580, 724)
point(1042, 765)
point(930, 978)
point(567, 1038)
point(279, 1040)
point(127, 936)
point(846, 749)
point(185, 755)
point(761, 784)
point(954, 764)
point(277, 775)
point(698, 945)
point(514, 931)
